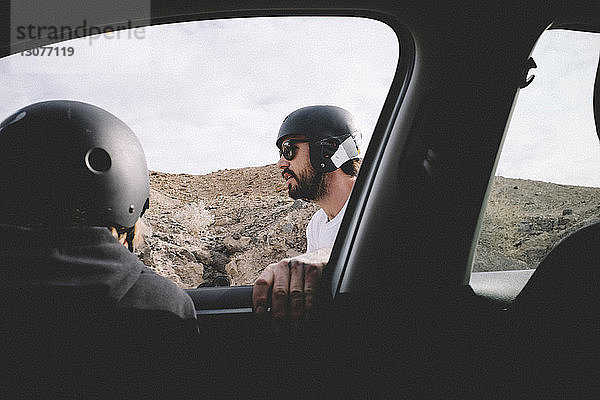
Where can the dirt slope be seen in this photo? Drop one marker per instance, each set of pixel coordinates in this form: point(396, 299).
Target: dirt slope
point(232, 221)
point(525, 218)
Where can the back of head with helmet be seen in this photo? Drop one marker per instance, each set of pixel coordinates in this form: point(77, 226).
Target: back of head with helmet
point(70, 163)
point(333, 136)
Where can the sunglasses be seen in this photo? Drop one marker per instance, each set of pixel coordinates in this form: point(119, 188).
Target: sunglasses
point(288, 148)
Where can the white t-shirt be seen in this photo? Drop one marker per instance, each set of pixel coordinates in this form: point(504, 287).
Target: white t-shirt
point(320, 232)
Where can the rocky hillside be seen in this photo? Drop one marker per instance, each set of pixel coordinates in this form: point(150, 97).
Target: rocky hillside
point(232, 222)
point(236, 222)
point(524, 219)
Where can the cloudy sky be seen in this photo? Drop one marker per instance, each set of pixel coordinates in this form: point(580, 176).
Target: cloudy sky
point(211, 95)
point(551, 135)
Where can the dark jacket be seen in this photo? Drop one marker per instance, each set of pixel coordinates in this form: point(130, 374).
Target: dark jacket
point(77, 306)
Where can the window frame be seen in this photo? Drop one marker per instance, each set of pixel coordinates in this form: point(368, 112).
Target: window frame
point(379, 140)
point(501, 287)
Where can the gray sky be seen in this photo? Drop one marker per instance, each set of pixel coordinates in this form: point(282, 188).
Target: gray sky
point(211, 95)
point(551, 135)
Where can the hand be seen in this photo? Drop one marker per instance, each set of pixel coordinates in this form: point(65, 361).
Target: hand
point(293, 284)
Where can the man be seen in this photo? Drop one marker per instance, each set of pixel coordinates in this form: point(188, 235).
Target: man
point(319, 148)
point(79, 310)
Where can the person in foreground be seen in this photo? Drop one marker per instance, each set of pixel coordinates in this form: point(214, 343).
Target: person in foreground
point(77, 305)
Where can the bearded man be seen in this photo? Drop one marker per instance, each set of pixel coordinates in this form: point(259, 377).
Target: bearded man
point(318, 158)
point(319, 148)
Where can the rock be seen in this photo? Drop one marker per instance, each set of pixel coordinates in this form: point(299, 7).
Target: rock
point(288, 227)
point(245, 241)
point(231, 268)
point(525, 227)
point(567, 211)
point(223, 222)
point(203, 256)
point(234, 246)
point(146, 255)
point(213, 259)
point(520, 242)
point(563, 221)
point(185, 253)
point(197, 269)
point(218, 261)
point(298, 204)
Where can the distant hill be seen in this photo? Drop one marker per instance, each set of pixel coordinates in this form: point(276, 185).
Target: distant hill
point(237, 221)
point(524, 219)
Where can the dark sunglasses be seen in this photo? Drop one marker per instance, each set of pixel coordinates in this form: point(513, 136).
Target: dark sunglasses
point(288, 148)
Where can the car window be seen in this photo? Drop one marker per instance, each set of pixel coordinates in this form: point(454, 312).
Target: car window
point(547, 182)
point(206, 100)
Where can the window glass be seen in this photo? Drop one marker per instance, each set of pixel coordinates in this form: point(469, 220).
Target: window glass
point(206, 100)
point(547, 181)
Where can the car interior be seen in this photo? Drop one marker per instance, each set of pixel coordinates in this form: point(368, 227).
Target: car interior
point(403, 315)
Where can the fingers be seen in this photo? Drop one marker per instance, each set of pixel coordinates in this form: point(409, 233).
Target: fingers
point(312, 282)
point(294, 286)
point(261, 289)
point(281, 285)
point(296, 290)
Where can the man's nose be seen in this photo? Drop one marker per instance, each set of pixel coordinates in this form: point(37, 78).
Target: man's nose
point(283, 163)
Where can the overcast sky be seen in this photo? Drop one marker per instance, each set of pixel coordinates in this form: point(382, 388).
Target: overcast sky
point(211, 95)
point(551, 135)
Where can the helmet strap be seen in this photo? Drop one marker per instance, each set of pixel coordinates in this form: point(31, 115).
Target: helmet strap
point(346, 151)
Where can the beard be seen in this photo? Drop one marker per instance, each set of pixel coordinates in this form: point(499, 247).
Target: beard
point(310, 185)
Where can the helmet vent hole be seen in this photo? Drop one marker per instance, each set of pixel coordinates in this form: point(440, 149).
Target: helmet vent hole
point(98, 160)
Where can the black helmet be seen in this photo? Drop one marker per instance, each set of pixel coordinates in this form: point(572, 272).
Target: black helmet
point(333, 136)
point(70, 163)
